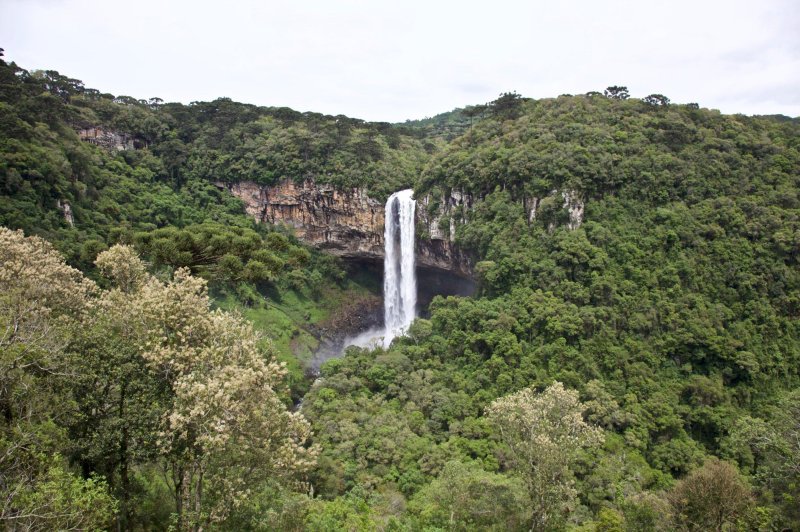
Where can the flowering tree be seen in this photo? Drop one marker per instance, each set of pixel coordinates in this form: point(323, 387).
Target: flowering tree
point(225, 426)
point(139, 371)
point(42, 301)
point(544, 433)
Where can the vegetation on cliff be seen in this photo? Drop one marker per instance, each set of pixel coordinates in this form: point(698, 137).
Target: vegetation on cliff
point(86, 195)
point(651, 354)
point(672, 310)
point(122, 379)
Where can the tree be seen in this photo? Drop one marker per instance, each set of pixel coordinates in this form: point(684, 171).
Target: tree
point(507, 106)
point(473, 111)
point(174, 154)
point(609, 520)
point(41, 302)
point(787, 444)
point(350, 512)
point(121, 402)
point(465, 497)
point(656, 100)
point(648, 511)
point(61, 501)
point(711, 497)
point(121, 265)
point(544, 433)
point(616, 92)
point(40, 297)
point(226, 426)
point(771, 450)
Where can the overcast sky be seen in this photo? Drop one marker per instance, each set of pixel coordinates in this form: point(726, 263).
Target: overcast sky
point(407, 59)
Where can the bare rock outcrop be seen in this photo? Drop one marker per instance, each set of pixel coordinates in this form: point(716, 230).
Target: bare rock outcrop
point(107, 139)
point(66, 210)
point(349, 223)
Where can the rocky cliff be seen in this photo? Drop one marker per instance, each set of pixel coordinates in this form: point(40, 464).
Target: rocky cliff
point(110, 140)
point(349, 223)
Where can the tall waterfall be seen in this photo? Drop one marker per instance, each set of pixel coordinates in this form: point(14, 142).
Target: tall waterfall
point(399, 280)
point(399, 276)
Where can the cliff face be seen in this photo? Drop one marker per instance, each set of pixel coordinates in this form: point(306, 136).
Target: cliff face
point(437, 217)
point(350, 223)
point(110, 140)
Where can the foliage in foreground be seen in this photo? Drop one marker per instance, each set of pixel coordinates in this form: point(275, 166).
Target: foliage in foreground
point(120, 380)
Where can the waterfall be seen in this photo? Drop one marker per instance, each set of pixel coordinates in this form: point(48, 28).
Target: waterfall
point(399, 280)
point(399, 276)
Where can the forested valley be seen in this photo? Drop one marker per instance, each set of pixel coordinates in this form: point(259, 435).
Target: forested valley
point(634, 368)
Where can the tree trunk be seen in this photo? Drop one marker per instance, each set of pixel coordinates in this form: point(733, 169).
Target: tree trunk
point(124, 478)
point(177, 474)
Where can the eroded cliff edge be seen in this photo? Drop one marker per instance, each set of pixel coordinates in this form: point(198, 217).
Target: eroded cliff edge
point(349, 223)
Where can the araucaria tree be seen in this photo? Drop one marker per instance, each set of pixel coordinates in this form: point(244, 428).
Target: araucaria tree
point(544, 433)
point(617, 92)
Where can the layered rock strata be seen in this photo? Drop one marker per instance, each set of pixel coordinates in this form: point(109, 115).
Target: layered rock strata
point(349, 223)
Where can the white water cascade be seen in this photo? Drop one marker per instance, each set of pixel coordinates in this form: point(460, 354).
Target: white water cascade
point(399, 276)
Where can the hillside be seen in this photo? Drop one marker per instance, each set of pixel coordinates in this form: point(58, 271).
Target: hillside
point(672, 309)
point(637, 313)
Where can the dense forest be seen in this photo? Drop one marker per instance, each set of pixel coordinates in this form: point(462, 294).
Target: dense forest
point(637, 370)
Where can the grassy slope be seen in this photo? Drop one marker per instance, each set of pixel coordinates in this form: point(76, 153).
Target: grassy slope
point(288, 318)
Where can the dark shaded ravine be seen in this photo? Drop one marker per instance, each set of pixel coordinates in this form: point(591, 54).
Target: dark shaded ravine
point(431, 282)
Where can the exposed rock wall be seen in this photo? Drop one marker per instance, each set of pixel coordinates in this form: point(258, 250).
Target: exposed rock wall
point(349, 223)
point(438, 219)
point(110, 140)
point(66, 210)
point(573, 204)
